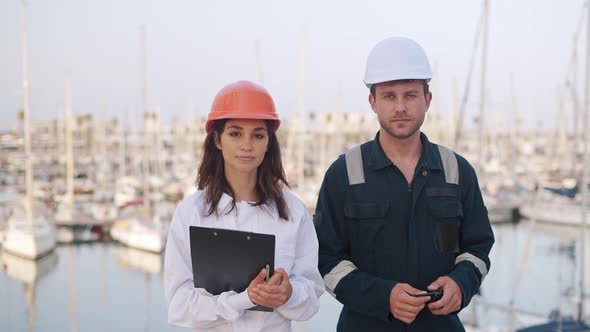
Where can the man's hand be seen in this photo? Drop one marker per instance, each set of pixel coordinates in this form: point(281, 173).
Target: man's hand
point(452, 296)
point(403, 305)
point(273, 293)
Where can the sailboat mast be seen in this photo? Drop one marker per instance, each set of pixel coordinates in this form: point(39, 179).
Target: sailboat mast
point(69, 145)
point(584, 191)
point(482, 109)
point(301, 121)
point(145, 160)
point(576, 108)
point(26, 118)
point(259, 72)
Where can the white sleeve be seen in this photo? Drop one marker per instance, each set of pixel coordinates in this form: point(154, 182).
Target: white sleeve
point(189, 306)
point(305, 278)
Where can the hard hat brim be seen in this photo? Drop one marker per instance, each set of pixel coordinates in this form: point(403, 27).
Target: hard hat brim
point(244, 115)
point(368, 84)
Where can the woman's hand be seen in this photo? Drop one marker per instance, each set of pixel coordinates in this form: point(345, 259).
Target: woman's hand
point(272, 293)
point(259, 279)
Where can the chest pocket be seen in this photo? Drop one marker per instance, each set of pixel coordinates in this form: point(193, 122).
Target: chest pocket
point(446, 213)
point(369, 222)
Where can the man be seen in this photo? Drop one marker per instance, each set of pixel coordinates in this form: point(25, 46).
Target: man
point(399, 216)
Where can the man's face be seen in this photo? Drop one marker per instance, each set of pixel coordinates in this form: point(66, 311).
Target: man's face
point(400, 108)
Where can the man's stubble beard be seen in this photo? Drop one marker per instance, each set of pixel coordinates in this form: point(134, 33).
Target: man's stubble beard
point(398, 136)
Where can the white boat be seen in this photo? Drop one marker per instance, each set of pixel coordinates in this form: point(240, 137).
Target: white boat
point(502, 208)
point(77, 234)
point(553, 209)
point(27, 234)
point(2, 233)
point(28, 238)
point(2, 223)
point(548, 212)
point(104, 212)
point(562, 210)
point(148, 235)
point(71, 226)
point(64, 214)
point(141, 229)
point(125, 193)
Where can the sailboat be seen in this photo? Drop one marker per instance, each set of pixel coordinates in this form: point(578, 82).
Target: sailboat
point(554, 209)
point(67, 218)
point(502, 205)
point(25, 235)
point(558, 322)
point(558, 201)
point(5, 197)
point(145, 234)
point(303, 187)
point(142, 229)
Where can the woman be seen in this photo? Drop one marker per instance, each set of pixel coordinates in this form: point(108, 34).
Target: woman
point(239, 188)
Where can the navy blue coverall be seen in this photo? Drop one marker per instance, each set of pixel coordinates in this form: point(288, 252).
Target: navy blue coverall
point(384, 231)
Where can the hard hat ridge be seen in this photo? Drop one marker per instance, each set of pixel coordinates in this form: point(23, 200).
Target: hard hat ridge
point(242, 100)
point(397, 58)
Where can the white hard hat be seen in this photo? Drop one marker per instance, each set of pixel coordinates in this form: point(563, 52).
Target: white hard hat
point(397, 58)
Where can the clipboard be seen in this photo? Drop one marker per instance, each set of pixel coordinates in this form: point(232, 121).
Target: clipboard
point(224, 259)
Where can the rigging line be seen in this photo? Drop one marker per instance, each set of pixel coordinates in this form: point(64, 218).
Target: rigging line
point(468, 80)
point(571, 83)
point(574, 54)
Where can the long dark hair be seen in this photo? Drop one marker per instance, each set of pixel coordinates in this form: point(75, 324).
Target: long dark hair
point(211, 175)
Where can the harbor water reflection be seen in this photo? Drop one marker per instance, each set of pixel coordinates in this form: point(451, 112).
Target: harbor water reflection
point(106, 287)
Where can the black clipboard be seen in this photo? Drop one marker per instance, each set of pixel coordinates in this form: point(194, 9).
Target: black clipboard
point(224, 259)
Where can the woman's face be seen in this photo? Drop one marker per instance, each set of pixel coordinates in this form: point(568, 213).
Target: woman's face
point(243, 144)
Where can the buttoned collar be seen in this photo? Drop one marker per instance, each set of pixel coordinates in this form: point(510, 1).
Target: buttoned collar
point(430, 158)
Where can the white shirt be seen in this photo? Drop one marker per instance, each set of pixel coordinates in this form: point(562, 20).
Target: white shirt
point(296, 251)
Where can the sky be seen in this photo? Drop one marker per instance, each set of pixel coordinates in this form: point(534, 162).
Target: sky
point(311, 55)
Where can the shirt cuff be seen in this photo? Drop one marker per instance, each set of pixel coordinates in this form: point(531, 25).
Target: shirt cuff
point(294, 299)
point(240, 301)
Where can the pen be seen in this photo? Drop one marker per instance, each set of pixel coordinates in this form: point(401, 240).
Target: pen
point(267, 272)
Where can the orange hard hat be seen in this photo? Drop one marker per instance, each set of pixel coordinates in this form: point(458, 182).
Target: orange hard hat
point(242, 100)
